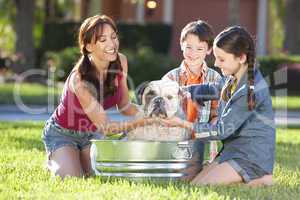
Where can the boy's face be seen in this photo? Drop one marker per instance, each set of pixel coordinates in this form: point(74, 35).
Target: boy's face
point(194, 50)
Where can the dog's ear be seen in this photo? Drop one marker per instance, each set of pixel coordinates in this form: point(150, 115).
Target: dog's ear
point(139, 91)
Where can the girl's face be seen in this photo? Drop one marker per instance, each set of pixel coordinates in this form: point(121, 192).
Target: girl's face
point(227, 62)
point(194, 50)
point(106, 47)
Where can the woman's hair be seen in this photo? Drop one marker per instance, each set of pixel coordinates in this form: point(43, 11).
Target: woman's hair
point(201, 29)
point(237, 41)
point(89, 32)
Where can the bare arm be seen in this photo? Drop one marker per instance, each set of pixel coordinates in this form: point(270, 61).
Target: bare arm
point(95, 111)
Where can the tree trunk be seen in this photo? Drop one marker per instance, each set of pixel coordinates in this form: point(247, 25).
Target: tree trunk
point(292, 27)
point(25, 52)
point(84, 8)
point(234, 12)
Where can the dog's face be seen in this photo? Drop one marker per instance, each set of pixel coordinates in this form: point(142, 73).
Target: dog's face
point(161, 98)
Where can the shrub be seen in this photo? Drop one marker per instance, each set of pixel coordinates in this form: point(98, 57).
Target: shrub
point(144, 64)
point(269, 64)
point(62, 61)
point(60, 35)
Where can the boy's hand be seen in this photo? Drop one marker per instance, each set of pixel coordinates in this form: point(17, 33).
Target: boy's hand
point(184, 92)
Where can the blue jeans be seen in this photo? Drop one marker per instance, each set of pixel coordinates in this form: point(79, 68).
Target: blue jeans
point(54, 137)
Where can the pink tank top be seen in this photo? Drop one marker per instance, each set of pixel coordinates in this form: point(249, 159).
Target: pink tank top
point(70, 115)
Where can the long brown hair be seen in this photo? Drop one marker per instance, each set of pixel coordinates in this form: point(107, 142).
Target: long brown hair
point(88, 32)
point(237, 41)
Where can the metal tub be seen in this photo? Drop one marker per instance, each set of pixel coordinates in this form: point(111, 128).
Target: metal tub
point(147, 159)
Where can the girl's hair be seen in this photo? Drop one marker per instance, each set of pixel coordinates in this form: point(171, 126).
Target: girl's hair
point(201, 29)
point(89, 32)
point(237, 41)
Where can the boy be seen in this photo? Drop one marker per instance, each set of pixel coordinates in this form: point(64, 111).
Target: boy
point(196, 42)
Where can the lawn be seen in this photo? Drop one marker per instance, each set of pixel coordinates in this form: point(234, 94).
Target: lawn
point(23, 175)
point(29, 94)
point(42, 95)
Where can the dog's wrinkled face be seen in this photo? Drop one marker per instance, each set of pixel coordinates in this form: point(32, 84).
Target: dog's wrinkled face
point(161, 98)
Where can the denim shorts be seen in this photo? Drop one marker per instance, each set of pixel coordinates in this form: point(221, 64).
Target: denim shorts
point(246, 170)
point(54, 137)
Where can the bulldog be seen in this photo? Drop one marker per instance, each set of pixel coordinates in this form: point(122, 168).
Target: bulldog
point(161, 99)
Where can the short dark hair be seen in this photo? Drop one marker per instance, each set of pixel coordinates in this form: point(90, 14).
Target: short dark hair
point(201, 29)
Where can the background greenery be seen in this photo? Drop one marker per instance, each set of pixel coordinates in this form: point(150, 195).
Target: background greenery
point(37, 94)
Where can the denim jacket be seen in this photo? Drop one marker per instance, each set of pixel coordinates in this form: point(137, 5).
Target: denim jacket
point(248, 135)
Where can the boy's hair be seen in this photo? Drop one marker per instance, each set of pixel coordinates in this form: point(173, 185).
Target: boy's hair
point(236, 40)
point(201, 29)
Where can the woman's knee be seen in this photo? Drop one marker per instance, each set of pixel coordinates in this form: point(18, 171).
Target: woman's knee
point(65, 161)
point(86, 161)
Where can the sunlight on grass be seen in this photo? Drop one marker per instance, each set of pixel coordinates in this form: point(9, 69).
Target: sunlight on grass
point(23, 174)
point(286, 102)
point(36, 94)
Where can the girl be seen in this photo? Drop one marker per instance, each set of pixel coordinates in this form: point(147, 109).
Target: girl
point(97, 82)
point(245, 122)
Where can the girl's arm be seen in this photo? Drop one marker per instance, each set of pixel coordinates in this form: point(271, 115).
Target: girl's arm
point(97, 114)
point(125, 106)
point(227, 124)
point(232, 119)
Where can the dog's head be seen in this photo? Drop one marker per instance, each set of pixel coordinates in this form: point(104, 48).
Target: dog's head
point(160, 98)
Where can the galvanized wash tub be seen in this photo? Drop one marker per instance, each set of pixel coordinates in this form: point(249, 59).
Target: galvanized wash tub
point(147, 159)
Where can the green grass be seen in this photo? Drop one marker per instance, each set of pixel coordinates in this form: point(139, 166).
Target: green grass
point(29, 94)
point(286, 102)
point(23, 175)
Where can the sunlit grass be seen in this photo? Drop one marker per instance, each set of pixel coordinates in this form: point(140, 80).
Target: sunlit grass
point(23, 175)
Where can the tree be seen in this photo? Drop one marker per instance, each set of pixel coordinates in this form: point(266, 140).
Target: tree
point(24, 46)
point(292, 27)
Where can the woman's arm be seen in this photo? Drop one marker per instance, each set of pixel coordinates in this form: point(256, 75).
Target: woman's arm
point(95, 111)
point(125, 106)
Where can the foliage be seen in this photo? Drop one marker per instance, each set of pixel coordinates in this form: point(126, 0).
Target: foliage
point(23, 174)
point(276, 27)
point(269, 64)
point(144, 59)
point(59, 35)
point(146, 65)
point(154, 35)
point(63, 61)
point(7, 34)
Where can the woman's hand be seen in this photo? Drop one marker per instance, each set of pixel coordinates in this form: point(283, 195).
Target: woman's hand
point(177, 122)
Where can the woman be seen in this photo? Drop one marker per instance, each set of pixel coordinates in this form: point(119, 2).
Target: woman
point(245, 122)
point(97, 82)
